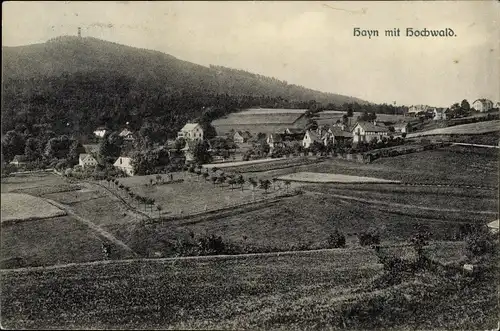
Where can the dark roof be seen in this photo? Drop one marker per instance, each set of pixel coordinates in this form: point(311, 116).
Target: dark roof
point(370, 127)
point(338, 132)
point(276, 137)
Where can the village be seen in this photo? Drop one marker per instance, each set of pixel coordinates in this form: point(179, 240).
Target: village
point(260, 134)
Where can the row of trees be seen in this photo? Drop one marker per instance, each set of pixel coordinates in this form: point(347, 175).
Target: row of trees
point(234, 180)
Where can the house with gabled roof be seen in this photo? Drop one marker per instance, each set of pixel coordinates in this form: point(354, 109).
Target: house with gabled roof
point(368, 131)
point(241, 137)
point(124, 164)
point(191, 131)
point(126, 134)
point(19, 160)
point(86, 160)
point(335, 134)
point(310, 138)
point(439, 114)
point(100, 131)
point(482, 105)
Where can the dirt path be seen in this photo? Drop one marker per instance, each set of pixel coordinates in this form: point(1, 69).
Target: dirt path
point(93, 226)
point(395, 204)
point(476, 145)
point(333, 251)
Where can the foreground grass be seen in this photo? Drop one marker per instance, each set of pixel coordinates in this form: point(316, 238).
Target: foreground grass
point(340, 289)
point(205, 293)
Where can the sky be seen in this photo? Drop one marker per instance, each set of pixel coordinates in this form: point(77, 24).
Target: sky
point(305, 43)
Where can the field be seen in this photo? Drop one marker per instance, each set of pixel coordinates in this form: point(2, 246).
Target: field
point(472, 128)
point(451, 165)
point(51, 241)
point(317, 177)
point(316, 290)
point(193, 195)
point(54, 240)
point(331, 116)
point(40, 181)
point(19, 207)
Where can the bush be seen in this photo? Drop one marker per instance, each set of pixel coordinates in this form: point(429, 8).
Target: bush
point(479, 243)
point(336, 239)
point(370, 237)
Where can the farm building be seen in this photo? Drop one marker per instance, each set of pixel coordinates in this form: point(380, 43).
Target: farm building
point(191, 131)
point(241, 137)
point(100, 132)
point(125, 164)
point(261, 120)
point(367, 131)
point(86, 160)
point(19, 160)
point(482, 105)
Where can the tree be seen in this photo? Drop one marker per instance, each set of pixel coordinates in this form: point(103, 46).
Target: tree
point(241, 181)
point(111, 145)
point(350, 112)
point(465, 107)
point(179, 144)
point(201, 154)
point(75, 149)
point(33, 149)
point(287, 185)
point(264, 184)
point(159, 208)
point(336, 239)
point(13, 143)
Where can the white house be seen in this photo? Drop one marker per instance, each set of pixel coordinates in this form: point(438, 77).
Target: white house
point(439, 114)
point(86, 160)
point(309, 138)
point(482, 105)
point(367, 131)
point(100, 131)
point(125, 164)
point(126, 134)
point(191, 131)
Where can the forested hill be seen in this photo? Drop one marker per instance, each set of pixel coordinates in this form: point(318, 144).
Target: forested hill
point(86, 82)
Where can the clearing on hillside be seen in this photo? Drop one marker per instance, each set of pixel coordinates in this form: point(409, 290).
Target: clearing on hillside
point(317, 177)
point(19, 207)
point(472, 128)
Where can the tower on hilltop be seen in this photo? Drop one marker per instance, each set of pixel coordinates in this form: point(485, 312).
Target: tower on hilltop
point(79, 32)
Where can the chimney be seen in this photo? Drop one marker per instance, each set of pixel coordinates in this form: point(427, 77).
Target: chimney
point(79, 32)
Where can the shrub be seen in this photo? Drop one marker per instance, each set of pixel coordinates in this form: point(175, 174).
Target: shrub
point(210, 245)
point(370, 237)
point(336, 239)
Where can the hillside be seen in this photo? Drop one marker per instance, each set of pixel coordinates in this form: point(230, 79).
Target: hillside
point(79, 55)
point(87, 82)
